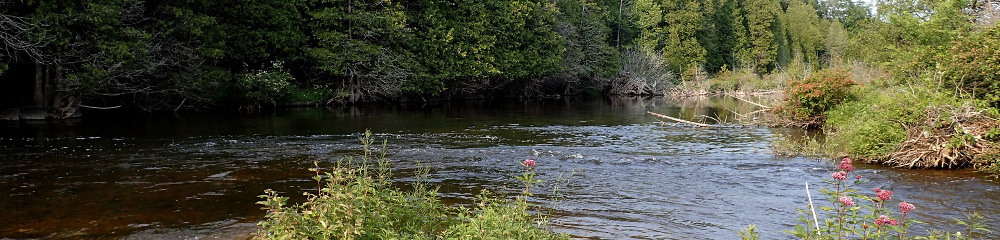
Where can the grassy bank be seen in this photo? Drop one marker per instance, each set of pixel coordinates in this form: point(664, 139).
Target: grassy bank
point(938, 110)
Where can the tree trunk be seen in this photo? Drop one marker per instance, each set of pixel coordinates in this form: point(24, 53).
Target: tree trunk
point(568, 88)
point(355, 93)
point(39, 94)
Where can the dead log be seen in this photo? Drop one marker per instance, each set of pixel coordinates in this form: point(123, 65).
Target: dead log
point(679, 120)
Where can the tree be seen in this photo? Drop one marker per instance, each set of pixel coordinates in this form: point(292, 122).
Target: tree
point(758, 48)
point(114, 53)
point(622, 21)
point(805, 33)
point(452, 42)
point(527, 44)
point(720, 36)
point(359, 43)
point(584, 32)
point(683, 20)
point(650, 23)
point(836, 40)
point(259, 32)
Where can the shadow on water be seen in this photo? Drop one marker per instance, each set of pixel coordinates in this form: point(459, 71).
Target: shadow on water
point(624, 174)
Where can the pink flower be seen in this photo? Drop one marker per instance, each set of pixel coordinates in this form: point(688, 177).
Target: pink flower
point(906, 207)
point(858, 177)
point(847, 201)
point(893, 222)
point(883, 194)
point(840, 176)
point(846, 165)
point(528, 163)
point(882, 220)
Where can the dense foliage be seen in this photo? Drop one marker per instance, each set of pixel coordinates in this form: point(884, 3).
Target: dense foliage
point(190, 54)
point(809, 98)
point(936, 104)
point(971, 66)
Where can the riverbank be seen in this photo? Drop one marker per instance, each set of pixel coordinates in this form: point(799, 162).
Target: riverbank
point(868, 113)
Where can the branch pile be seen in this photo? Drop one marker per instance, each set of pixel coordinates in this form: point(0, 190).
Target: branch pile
point(951, 137)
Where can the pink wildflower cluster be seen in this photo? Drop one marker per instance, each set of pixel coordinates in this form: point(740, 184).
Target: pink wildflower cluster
point(906, 207)
point(528, 163)
point(846, 165)
point(883, 195)
point(883, 220)
point(847, 200)
point(840, 176)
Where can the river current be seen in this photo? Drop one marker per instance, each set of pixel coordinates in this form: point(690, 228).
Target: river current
point(619, 172)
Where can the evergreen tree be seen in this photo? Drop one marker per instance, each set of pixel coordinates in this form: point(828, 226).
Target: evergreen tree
point(719, 35)
point(650, 24)
point(584, 32)
point(758, 47)
point(359, 43)
point(683, 19)
point(836, 40)
point(806, 38)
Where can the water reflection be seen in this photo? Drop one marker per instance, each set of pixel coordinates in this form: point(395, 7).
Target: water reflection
point(626, 175)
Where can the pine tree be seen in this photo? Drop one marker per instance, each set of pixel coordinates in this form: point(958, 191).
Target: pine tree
point(758, 48)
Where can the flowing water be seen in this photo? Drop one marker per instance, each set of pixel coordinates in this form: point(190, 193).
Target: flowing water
point(620, 172)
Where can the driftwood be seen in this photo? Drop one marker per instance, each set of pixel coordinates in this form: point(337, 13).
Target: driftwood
point(679, 120)
point(748, 101)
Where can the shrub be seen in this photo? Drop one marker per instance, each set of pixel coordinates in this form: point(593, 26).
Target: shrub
point(264, 85)
point(911, 126)
point(726, 80)
point(972, 65)
point(874, 125)
point(357, 200)
point(806, 100)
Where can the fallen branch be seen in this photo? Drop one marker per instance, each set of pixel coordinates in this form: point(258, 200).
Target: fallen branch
point(748, 101)
point(179, 105)
point(100, 108)
point(679, 120)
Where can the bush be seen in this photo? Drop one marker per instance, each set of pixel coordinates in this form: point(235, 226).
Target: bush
point(264, 85)
point(874, 125)
point(972, 65)
point(357, 200)
point(806, 100)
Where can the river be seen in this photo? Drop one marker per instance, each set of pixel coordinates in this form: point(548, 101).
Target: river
point(620, 173)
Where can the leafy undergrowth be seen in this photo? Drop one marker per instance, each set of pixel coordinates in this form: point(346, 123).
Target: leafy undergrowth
point(356, 200)
point(914, 127)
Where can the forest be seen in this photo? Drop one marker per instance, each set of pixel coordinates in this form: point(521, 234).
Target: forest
point(61, 56)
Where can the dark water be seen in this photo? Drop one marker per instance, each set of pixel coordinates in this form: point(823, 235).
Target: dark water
point(623, 174)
